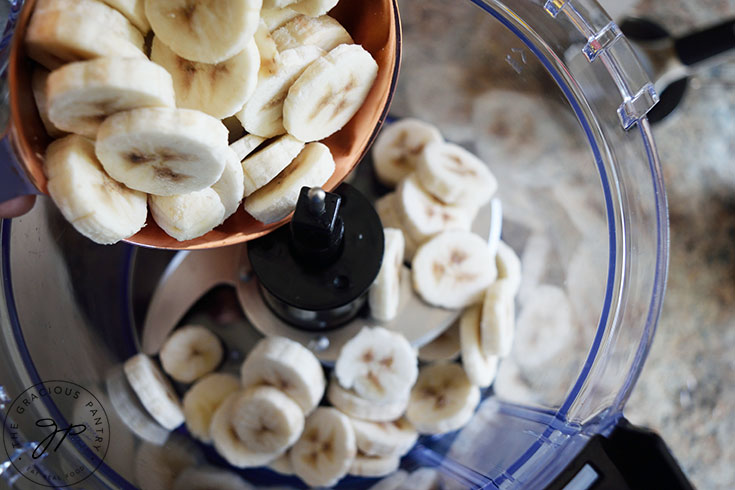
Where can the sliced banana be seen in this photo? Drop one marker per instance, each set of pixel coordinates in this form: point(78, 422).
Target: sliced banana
point(282, 465)
point(481, 368)
point(443, 399)
point(134, 11)
point(203, 399)
point(190, 353)
point(38, 85)
point(329, 92)
point(209, 31)
point(267, 419)
point(326, 449)
point(230, 186)
point(348, 402)
point(188, 216)
point(509, 266)
point(264, 165)
point(204, 478)
point(228, 444)
point(97, 206)
point(267, 49)
point(244, 146)
point(288, 366)
point(218, 89)
point(275, 16)
point(154, 391)
point(394, 438)
point(384, 295)
point(392, 482)
point(277, 199)
point(498, 319)
point(445, 347)
point(453, 269)
point(262, 113)
point(424, 216)
point(82, 94)
point(324, 32)
point(398, 146)
point(158, 466)
point(71, 30)
point(163, 151)
point(380, 365)
point(314, 8)
point(387, 209)
point(454, 175)
point(374, 466)
point(269, 5)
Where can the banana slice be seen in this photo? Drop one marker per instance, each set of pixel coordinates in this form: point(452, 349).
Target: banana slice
point(190, 353)
point(209, 31)
point(267, 49)
point(97, 206)
point(82, 94)
point(326, 449)
point(329, 92)
point(380, 365)
point(398, 146)
point(348, 402)
point(443, 399)
point(71, 30)
point(267, 419)
point(157, 467)
point(392, 482)
point(445, 347)
point(454, 175)
point(276, 16)
point(273, 202)
point(264, 165)
point(200, 478)
point(384, 295)
point(245, 146)
point(154, 391)
point(163, 151)
point(387, 209)
point(314, 8)
point(276, 4)
point(262, 113)
point(509, 266)
point(387, 439)
point(374, 466)
point(228, 444)
point(218, 89)
point(188, 216)
point(282, 465)
point(134, 11)
point(424, 216)
point(203, 399)
point(38, 85)
point(230, 186)
point(481, 368)
point(324, 32)
point(453, 269)
point(288, 366)
point(498, 319)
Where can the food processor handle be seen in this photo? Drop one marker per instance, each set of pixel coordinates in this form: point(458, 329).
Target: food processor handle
point(630, 458)
point(708, 43)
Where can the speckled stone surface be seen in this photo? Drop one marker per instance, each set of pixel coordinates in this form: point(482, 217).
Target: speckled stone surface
point(687, 389)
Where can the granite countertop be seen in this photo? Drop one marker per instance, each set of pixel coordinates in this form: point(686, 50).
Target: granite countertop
point(687, 389)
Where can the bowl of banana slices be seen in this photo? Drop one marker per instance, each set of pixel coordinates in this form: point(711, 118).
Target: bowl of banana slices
point(188, 125)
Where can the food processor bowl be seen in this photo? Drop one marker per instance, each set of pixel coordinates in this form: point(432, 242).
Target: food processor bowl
point(550, 95)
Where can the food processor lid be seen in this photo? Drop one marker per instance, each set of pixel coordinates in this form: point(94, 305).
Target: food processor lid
point(556, 435)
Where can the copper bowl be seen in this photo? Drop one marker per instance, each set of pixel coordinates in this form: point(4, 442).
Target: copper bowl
point(374, 24)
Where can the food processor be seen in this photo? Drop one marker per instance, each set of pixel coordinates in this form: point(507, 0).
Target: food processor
point(551, 96)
